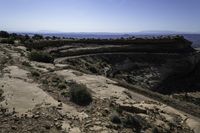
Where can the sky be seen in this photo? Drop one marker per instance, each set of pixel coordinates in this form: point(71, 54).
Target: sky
point(100, 15)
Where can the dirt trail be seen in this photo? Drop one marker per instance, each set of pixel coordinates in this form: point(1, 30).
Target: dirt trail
point(61, 59)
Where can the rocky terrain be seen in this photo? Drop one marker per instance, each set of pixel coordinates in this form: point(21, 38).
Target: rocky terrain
point(36, 97)
point(174, 74)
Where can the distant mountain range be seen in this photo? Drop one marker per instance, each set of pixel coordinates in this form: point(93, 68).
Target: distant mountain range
point(166, 32)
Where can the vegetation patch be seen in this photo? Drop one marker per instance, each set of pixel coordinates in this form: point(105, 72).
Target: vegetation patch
point(41, 57)
point(128, 120)
point(115, 118)
point(25, 63)
point(35, 73)
point(80, 94)
point(1, 93)
point(131, 121)
point(8, 40)
point(62, 86)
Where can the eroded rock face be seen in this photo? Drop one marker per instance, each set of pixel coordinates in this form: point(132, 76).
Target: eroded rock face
point(174, 75)
point(159, 72)
point(180, 75)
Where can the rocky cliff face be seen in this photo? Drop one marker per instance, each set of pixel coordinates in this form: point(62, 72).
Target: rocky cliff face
point(158, 71)
point(156, 64)
point(180, 74)
point(163, 76)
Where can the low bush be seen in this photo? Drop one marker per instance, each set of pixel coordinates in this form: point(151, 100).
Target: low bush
point(80, 94)
point(132, 122)
point(1, 95)
point(1, 92)
point(65, 94)
point(62, 86)
point(115, 118)
point(41, 57)
point(8, 41)
point(25, 63)
point(35, 73)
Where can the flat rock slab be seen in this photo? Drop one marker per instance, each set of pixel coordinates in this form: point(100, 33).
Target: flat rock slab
point(22, 96)
point(102, 87)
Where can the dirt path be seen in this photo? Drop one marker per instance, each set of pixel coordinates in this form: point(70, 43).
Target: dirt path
point(61, 59)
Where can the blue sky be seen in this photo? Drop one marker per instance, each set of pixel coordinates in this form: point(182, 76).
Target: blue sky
point(100, 15)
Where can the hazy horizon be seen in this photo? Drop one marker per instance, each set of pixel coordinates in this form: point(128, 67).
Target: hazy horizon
point(107, 33)
point(108, 16)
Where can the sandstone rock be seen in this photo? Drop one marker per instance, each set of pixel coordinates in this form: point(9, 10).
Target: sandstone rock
point(36, 116)
point(96, 128)
point(75, 130)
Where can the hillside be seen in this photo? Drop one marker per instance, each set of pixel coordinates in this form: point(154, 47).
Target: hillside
point(88, 87)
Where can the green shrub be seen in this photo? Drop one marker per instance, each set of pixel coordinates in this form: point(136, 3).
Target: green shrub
point(1, 92)
point(56, 79)
point(1, 95)
point(132, 122)
point(155, 130)
point(41, 57)
point(62, 86)
point(65, 94)
point(50, 69)
point(8, 41)
point(25, 63)
point(79, 94)
point(35, 73)
point(115, 118)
